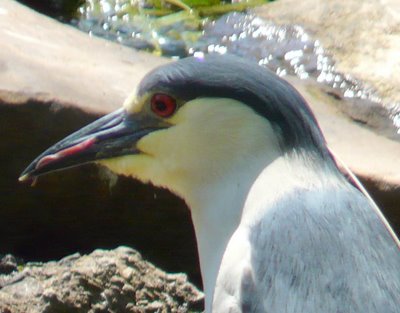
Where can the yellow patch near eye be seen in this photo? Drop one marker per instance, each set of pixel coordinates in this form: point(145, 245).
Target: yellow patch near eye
point(132, 104)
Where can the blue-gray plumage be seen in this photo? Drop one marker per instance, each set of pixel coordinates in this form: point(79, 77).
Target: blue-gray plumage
point(331, 255)
point(280, 229)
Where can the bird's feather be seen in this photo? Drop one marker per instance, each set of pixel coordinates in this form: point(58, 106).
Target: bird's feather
point(321, 250)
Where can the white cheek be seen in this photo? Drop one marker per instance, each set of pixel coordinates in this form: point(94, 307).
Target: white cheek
point(209, 139)
point(210, 136)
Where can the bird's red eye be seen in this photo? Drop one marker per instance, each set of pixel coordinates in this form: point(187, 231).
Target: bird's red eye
point(163, 105)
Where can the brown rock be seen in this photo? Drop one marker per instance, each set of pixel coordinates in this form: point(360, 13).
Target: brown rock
point(51, 61)
point(95, 283)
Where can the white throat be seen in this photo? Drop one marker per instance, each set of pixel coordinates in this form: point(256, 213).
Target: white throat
point(216, 211)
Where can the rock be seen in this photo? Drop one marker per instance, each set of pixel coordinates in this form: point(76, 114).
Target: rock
point(97, 282)
point(8, 264)
point(54, 62)
point(362, 36)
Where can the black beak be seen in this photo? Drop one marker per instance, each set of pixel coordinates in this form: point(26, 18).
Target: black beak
point(113, 135)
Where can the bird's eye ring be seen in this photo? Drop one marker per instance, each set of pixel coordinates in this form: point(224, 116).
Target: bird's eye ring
point(163, 105)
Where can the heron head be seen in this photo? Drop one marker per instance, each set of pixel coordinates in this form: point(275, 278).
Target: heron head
point(192, 122)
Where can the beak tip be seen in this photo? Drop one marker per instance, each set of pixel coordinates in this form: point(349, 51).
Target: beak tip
point(24, 178)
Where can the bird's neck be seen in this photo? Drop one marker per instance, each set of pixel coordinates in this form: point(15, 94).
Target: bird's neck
point(215, 219)
point(216, 210)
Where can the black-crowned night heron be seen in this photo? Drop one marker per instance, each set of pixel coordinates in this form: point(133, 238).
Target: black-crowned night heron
point(279, 228)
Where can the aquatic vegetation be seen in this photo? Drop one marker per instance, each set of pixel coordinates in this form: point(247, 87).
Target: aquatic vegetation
point(164, 27)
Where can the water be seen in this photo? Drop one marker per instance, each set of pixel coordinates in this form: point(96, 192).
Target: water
point(283, 49)
point(170, 35)
point(287, 50)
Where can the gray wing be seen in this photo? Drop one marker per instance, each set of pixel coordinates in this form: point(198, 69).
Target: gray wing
point(322, 251)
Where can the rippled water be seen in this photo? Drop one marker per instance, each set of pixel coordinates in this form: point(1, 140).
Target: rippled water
point(283, 49)
point(287, 50)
